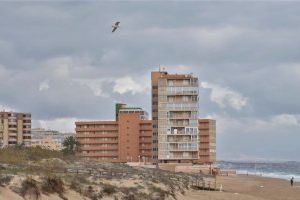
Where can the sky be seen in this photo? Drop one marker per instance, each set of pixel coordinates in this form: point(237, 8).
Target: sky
point(60, 61)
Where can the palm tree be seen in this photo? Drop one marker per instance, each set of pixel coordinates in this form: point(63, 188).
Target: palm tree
point(70, 144)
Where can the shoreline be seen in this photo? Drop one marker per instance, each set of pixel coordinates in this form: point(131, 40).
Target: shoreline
point(251, 187)
point(278, 175)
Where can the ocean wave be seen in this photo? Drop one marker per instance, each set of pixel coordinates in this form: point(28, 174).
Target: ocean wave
point(271, 175)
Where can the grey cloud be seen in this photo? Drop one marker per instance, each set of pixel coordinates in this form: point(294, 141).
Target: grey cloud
point(251, 48)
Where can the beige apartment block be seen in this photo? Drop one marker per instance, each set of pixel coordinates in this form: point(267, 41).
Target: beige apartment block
point(127, 139)
point(175, 117)
point(15, 128)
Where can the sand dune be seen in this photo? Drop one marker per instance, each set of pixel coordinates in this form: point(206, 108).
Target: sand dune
point(235, 188)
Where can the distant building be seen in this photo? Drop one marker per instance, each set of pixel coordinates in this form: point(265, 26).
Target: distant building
point(48, 139)
point(127, 139)
point(207, 142)
point(175, 117)
point(15, 128)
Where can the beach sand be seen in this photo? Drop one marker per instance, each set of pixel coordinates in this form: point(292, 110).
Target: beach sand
point(242, 187)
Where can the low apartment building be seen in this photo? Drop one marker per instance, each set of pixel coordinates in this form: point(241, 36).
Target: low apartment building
point(48, 139)
point(15, 128)
point(207, 141)
point(127, 139)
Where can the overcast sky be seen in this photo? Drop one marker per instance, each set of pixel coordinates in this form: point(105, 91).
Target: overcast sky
point(61, 62)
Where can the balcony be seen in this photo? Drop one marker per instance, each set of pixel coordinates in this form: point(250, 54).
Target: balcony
point(204, 133)
point(146, 128)
point(182, 91)
point(96, 135)
point(181, 116)
point(146, 134)
point(204, 146)
point(146, 154)
point(96, 148)
point(171, 140)
point(182, 149)
point(105, 128)
point(181, 106)
point(204, 139)
point(99, 142)
point(148, 141)
point(12, 139)
point(146, 147)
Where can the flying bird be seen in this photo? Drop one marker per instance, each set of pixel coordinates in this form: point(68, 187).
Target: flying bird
point(115, 27)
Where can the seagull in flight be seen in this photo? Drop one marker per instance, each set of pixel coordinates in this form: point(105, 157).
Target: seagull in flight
point(115, 27)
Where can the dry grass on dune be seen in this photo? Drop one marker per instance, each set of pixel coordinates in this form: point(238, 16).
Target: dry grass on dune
point(43, 174)
point(22, 155)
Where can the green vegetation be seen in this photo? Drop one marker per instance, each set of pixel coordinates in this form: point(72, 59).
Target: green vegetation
point(19, 155)
point(71, 145)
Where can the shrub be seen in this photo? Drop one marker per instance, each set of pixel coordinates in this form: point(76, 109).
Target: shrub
point(5, 180)
point(53, 185)
point(30, 189)
point(75, 185)
point(129, 197)
point(109, 189)
point(92, 194)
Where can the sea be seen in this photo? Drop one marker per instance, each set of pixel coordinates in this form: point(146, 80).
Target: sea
point(282, 170)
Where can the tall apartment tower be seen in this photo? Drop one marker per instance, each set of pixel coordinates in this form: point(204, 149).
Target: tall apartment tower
point(128, 139)
point(15, 128)
point(175, 117)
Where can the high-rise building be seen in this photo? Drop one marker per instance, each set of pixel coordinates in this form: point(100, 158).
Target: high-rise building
point(175, 117)
point(128, 139)
point(15, 128)
point(207, 142)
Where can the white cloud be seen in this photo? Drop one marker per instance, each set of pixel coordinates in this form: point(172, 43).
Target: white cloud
point(225, 97)
point(285, 119)
point(7, 108)
point(127, 84)
point(44, 85)
point(95, 85)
